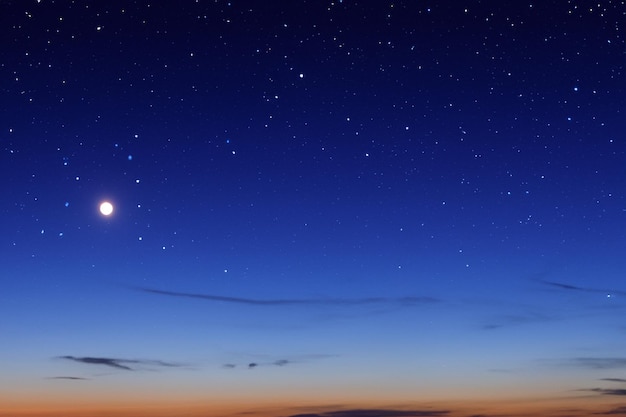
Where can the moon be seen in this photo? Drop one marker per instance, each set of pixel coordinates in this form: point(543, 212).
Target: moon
point(106, 208)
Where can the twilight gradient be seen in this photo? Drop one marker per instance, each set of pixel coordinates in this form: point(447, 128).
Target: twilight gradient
point(320, 208)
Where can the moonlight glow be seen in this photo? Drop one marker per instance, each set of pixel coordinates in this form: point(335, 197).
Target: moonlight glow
point(106, 208)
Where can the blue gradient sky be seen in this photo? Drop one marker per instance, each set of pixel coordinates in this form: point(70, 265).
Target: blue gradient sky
point(320, 208)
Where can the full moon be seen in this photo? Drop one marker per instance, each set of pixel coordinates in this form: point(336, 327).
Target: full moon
point(106, 208)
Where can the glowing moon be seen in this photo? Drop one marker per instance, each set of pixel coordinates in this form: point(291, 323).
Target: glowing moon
point(106, 208)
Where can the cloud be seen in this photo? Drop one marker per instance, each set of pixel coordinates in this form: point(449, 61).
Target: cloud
point(607, 391)
point(280, 362)
point(589, 362)
point(613, 379)
point(113, 363)
point(117, 363)
point(71, 378)
point(598, 363)
point(251, 365)
point(619, 411)
point(401, 301)
point(569, 287)
point(264, 361)
point(377, 413)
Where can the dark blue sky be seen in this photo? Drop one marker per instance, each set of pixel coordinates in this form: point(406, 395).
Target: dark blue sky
point(435, 188)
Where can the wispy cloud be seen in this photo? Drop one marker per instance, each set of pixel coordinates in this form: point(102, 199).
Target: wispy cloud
point(117, 363)
point(277, 362)
point(280, 362)
point(70, 378)
point(111, 362)
point(397, 301)
point(377, 413)
point(606, 391)
point(610, 391)
point(569, 287)
point(597, 363)
point(613, 379)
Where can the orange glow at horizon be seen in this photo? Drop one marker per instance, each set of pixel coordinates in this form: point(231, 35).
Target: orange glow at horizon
point(160, 407)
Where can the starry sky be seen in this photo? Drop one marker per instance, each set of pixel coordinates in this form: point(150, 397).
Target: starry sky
point(320, 208)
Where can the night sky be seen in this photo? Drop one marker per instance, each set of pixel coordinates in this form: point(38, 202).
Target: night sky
point(320, 208)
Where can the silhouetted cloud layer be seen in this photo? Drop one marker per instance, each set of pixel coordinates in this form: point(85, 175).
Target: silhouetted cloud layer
point(118, 363)
point(70, 378)
point(619, 411)
point(399, 301)
point(377, 413)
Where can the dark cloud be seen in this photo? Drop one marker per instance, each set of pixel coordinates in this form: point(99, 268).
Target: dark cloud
point(613, 379)
point(113, 363)
point(377, 413)
point(71, 378)
point(619, 411)
point(569, 287)
point(399, 301)
point(117, 363)
point(279, 362)
point(607, 391)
